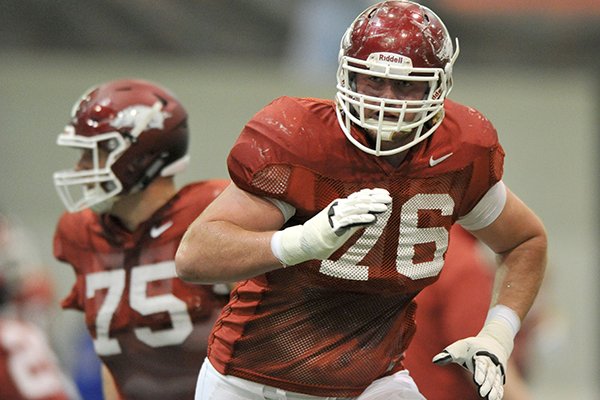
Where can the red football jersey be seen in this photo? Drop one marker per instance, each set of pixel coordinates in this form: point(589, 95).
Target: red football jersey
point(149, 327)
point(28, 368)
point(452, 309)
point(330, 328)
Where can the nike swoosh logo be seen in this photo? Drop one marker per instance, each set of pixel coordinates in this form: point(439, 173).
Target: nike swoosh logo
point(435, 161)
point(156, 231)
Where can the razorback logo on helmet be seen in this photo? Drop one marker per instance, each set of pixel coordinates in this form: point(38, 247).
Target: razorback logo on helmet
point(140, 114)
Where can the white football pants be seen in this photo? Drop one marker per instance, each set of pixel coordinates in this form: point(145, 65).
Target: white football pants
point(212, 385)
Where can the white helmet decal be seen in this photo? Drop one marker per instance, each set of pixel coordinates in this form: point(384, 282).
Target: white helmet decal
point(140, 117)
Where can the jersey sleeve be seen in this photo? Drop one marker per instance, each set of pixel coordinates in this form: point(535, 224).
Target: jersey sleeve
point(488, 162)
point(273, 154)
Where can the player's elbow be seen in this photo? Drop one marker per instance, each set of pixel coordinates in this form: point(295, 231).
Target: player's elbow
point(540, 244)
point(182, 265)
point(188, 264)
point(537, 240)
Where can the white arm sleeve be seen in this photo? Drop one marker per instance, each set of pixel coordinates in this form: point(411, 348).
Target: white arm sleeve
point(286, 209)
point(487, 210)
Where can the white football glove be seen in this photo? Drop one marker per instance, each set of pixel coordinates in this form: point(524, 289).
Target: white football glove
point(485, 355)
point(323, 234)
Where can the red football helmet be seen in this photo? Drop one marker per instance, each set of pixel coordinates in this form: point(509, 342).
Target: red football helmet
point(141, 129)
point(399, 40)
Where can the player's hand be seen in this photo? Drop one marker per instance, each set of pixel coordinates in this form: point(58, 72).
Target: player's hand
point(485, 355)
point(323, 234)
point(357, 210)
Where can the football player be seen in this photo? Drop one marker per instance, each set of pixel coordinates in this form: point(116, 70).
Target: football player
point(339, 215)
point(124, 222)
point(29, 368)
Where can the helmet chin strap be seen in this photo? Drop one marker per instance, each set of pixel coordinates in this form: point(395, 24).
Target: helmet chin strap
point(389, 135)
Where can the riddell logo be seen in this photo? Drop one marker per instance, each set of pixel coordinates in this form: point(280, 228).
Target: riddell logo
point(390, 58)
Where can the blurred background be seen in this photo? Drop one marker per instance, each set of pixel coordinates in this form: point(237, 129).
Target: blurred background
point(531, 67)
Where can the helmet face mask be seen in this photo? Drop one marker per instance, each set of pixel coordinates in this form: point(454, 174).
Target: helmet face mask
point(404, 43)
point(130, 132)
point(93, 186)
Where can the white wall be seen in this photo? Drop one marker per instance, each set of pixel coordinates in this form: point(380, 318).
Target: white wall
point(545, 122)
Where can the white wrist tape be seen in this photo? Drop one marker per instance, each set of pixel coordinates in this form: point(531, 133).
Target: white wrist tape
point(293, 250)
point(506, 314)
point(287, 245)
point(501, 324)
point(310, 241)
